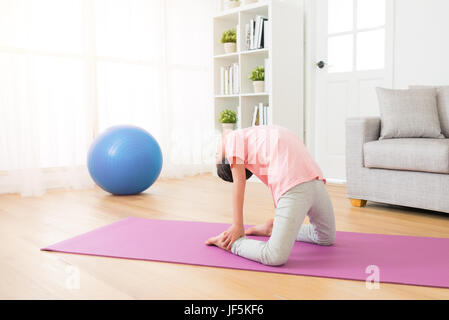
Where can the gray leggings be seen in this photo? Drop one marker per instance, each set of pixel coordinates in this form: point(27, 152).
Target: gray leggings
point(309, 198)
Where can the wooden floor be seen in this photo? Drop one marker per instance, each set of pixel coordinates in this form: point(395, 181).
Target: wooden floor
point(27, 224)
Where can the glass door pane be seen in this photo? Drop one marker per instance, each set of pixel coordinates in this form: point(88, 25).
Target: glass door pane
point(340, 53)
point(371, 50)
point(370, 13)
point(356, 46)
point(340, 16)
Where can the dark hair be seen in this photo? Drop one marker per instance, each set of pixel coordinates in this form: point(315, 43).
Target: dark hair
point(224, 172)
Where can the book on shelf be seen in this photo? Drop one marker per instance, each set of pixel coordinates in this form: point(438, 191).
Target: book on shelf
point(229, 79)
point(255, 33)
point(255, 122)
point(251, 34)
point(235, 78)
point(266, 32)
point(270, 115)
point(239, 117)
point(222, 80)
point(226, 81)
point(261, 115)
point(260, 30)
point(247, 37)
point(265, 116)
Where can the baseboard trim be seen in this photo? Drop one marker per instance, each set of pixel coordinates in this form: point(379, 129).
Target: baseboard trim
point(332, 181)
point(336, 181)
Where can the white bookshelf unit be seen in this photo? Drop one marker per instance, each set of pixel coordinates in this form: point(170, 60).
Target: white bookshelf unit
point(284, 50)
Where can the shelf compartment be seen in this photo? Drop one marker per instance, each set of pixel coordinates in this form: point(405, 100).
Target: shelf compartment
point(248, 63)
point(218, 64)
point(248, 103)
point(223, 104)
point(221, 24)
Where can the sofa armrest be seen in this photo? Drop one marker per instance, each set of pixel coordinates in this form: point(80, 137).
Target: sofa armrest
point(358, 132)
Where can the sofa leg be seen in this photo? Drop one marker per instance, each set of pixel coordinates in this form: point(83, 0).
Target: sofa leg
point(358, 203)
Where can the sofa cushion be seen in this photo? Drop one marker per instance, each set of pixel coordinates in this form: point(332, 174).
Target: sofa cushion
point(426, 155)
point(409, 113)
point(443, 106)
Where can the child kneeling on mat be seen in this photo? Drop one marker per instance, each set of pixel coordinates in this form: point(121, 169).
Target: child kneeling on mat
point(281, 161)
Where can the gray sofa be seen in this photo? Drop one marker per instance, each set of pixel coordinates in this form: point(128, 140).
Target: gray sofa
point(402, 159)
point(410, 172)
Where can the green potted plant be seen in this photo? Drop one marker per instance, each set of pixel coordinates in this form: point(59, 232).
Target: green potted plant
point(258, 77)
point(229, 40)
point(229, 4)
point(228, 118)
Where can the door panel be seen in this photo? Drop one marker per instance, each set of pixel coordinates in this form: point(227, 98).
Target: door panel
point(340, 53)
point(339, 91)
point(352, 37)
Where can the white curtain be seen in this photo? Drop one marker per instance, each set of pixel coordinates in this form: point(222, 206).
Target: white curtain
point(71, 68)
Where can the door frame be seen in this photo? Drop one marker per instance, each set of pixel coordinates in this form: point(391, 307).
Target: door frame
point(311, 57)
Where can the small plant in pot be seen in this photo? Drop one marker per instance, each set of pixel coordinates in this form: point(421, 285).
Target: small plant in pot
point(228, 118)
point(258, 77)
point(229, 40)
point(229, 4)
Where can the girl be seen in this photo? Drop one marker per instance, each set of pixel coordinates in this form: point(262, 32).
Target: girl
point(280, 160)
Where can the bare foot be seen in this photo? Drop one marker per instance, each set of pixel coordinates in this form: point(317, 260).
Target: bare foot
point(261, 230)
point(217, 241)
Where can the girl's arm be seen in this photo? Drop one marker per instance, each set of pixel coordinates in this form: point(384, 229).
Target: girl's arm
point(225, 239)
point(238, 193)
point(237, 229)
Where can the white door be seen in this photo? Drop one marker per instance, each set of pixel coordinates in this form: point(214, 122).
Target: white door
point(354, 56)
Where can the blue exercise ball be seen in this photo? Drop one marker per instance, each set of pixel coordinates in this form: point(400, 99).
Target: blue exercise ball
point(124, 160)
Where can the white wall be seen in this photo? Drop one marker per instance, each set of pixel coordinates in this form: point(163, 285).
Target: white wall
point(421, 42)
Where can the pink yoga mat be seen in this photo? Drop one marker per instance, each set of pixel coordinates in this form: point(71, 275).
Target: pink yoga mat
point(399, 259)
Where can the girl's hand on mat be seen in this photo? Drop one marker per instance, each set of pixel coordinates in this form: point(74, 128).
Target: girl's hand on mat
point(225, 239)
point(216, 241)
point(233, 233)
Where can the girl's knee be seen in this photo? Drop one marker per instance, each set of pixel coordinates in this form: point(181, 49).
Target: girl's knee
point(274, 258)
point(327, 240)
